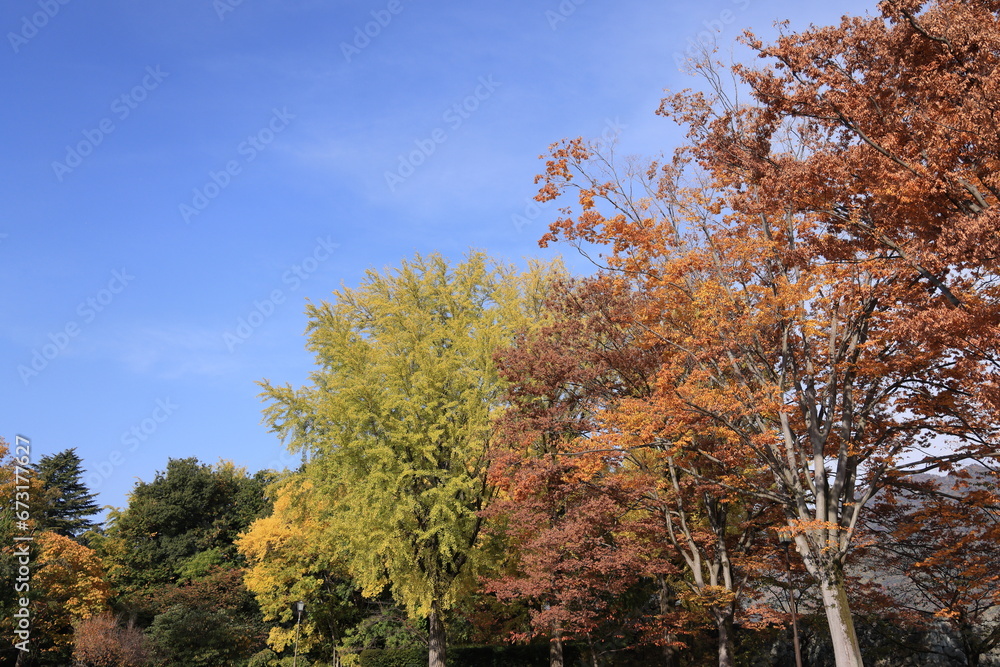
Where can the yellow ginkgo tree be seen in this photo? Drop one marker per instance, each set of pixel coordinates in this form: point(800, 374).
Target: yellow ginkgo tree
point(290, 558)
point(397, 420)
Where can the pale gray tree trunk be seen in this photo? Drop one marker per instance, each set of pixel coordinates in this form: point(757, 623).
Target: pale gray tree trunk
point(727, 647)
point(846, 649)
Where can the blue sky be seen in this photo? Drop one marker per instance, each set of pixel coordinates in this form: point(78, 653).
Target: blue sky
point(177, 179)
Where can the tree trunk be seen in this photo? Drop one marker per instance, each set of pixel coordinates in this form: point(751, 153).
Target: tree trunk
point(556, 647)
point(671, 656)
point(331, 629)
point(727, 649)
point(846, 650)
point(436, 653)
point(972, 648)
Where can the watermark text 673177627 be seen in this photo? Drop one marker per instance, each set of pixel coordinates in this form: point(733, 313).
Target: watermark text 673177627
point(21, 503)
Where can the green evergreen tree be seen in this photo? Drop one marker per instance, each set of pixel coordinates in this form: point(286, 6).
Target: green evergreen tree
point(188, 510)
point(170, 558)
point(67, 502)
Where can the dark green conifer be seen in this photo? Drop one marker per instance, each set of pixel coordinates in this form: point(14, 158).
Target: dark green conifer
point(68, 502)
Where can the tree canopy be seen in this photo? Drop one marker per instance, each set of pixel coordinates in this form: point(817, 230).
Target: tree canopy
point(68, 503)
point(397, 419)
point(186, 510)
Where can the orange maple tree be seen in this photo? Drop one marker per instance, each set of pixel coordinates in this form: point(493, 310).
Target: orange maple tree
point(101, 641)
point(879, 135)
point(784, 349)
point(883, 131)
point(590, 449)
point(578, 546)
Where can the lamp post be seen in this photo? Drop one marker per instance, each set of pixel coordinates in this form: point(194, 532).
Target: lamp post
point(786, 542)
point(299, 607)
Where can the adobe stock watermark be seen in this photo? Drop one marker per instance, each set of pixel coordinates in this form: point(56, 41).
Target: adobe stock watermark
point(612, 129)
point(86, 312)
point(561, 13)
point(247, 150)
point(284, 461)
point(533, 209)
point(292, 278)
point(21, 504)
point(122, 107)
point(363, 35)
point(31, 24)
point(705, 40)
point(223, 7)
point(130, 440)
point(453, 117)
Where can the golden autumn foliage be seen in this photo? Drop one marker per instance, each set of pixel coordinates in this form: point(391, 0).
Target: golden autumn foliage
point(71, 587)
point(291, 556)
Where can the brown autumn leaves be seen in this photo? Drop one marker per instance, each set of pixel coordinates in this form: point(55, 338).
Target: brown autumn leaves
point(798, 316)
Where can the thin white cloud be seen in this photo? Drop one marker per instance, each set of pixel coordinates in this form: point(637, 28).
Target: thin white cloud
point(174, 352)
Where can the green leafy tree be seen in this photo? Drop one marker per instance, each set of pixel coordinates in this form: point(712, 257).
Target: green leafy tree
point(171, 556)
point(194, 637)
point(397, 421)
point(190, 508)
point(67, 502)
